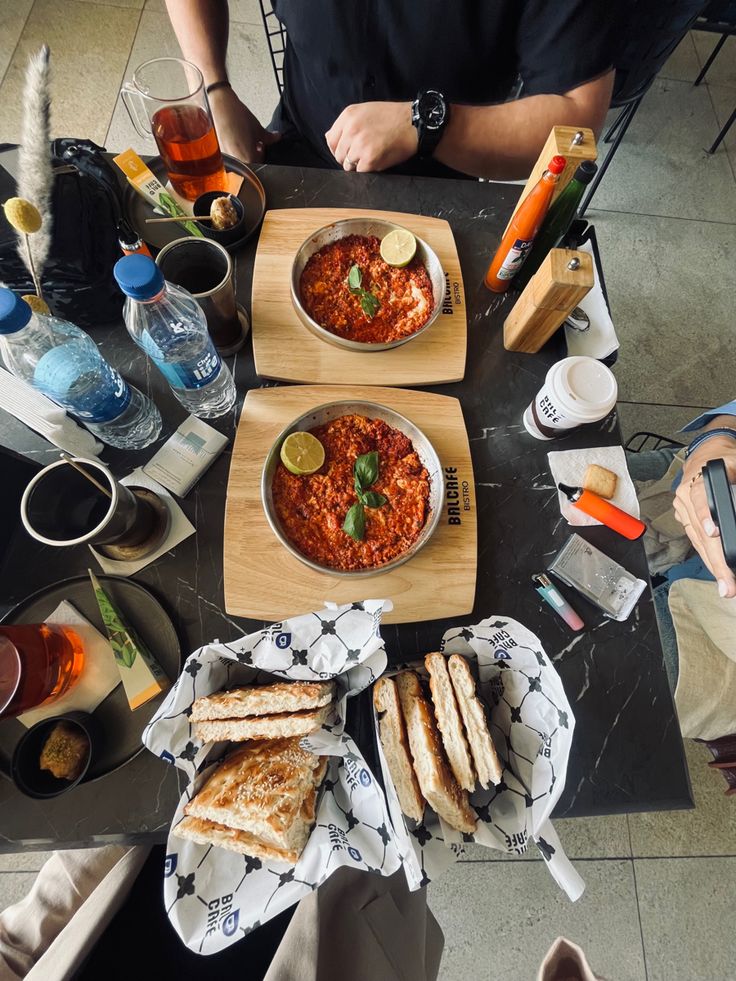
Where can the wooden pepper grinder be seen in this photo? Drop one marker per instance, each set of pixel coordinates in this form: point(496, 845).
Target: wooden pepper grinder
point(551, 295)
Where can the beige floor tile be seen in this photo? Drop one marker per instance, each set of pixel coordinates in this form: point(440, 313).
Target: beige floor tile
point(14, 886)
point(27, 861)
point(12, 22)
point(686, 907)
point(89, 47)
point(709, 829)
point(130, 4)
point(499, 919)
point(683, 63)
point(249, 65)
point(596, 837)
point(661, 167)
point(724, 103)
point(723, 69)
point(671, 284)
point(241, 11)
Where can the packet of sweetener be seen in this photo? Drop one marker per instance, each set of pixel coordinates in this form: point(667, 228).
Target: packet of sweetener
point(149, 187)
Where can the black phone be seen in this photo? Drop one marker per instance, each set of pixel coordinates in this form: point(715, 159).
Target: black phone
point(722, 508)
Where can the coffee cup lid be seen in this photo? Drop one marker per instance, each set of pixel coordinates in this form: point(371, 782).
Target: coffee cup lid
point(585, 387)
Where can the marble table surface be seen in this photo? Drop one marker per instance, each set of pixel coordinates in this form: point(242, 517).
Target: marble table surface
point(627, 753)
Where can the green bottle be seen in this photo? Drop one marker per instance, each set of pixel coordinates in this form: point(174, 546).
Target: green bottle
point(555, 226)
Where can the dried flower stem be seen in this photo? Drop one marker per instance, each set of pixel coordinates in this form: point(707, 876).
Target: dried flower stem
point(32, 268)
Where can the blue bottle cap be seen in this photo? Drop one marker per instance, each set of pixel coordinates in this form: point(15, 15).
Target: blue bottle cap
point(138, 277)
point(14, 312)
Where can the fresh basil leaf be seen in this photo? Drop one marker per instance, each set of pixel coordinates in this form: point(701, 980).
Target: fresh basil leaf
point(370, 304)
point(355, 278)
point(354, 523)
point(365, 470)
point(372, 499)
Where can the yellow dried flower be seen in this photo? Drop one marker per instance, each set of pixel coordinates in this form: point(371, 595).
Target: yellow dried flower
point(22, 215)
point(36, 303)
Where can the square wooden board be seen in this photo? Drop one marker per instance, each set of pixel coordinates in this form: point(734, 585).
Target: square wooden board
point(264, 581)
point(283, 348)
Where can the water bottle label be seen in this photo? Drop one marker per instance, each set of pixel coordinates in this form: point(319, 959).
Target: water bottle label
point(78, 379)
point(190, 373)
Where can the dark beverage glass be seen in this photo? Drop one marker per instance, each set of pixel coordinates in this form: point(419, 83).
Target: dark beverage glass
point(39, 663)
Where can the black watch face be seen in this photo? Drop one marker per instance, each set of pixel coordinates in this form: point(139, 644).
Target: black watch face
point(432, 109)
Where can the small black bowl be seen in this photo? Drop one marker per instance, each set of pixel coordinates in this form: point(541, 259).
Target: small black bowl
point(27, 774)
point(202, 207)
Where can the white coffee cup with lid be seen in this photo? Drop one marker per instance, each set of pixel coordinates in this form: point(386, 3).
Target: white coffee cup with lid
point(576, 391)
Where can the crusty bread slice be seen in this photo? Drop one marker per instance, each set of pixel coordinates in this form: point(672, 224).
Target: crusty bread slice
point(210, 833)
point(392, 732)
point(288, 696)
point(449, 722)
point(262, 726)
point(487, 763)
point(435, 777)
point(267, 788)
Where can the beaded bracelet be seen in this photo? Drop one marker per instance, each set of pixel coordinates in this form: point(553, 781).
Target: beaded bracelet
point(721, 431)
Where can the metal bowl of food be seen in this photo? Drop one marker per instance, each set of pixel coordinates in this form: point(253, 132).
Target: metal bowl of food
point(364, 227)
point(328, 413)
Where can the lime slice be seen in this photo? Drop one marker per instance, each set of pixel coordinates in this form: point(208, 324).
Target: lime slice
point(399, 247)
point(302, 453)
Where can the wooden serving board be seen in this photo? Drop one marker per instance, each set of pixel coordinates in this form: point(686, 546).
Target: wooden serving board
point(264, 581)
point(283, 348)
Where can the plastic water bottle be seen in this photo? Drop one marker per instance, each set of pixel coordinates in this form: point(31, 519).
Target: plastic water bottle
point(169, 325)
point(64, 363)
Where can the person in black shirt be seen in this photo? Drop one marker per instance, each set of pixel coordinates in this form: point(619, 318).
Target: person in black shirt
point(371, 85)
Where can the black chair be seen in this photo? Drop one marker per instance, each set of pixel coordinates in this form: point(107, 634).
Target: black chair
point(276, 37)
point(652, 32)
point(719, 17)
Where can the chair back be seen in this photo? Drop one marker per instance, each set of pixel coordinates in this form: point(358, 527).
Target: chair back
point(276, 37)
point(650, 32)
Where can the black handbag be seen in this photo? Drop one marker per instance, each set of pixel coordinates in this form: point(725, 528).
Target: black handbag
point(86, 205)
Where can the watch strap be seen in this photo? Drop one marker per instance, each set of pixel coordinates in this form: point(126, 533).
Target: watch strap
point(721, 431)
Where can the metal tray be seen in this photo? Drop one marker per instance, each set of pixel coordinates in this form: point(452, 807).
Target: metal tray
point(333, 410)
point(120, 729)
point(137, 209)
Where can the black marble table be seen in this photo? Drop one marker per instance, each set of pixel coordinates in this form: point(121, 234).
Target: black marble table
point(627, 753)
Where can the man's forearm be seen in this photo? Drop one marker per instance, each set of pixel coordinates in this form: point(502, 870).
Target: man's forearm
point(503, 142)
point(201, 28)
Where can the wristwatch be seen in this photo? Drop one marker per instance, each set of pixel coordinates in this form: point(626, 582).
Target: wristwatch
point(430, 114)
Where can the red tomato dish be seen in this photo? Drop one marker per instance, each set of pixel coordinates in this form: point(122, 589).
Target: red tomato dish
point(405, 295)
point(311, 509)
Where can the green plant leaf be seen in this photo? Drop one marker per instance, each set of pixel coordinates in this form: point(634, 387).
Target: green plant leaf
point(370, 304)
point(355, 278)
point(365, 470)
point(354, 523)
point(372, 499)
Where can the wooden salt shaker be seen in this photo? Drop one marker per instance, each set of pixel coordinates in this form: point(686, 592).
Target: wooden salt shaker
point(551, 295)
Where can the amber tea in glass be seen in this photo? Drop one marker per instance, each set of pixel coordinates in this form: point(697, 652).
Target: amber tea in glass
point(39, 663)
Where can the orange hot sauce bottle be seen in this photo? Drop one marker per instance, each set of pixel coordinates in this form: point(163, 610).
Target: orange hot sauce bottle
point(519, 237)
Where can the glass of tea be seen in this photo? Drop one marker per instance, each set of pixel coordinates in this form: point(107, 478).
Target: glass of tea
point(39, 663)
point(167, 100)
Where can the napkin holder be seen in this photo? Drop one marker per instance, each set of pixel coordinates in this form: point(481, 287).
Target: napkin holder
point(554, 291)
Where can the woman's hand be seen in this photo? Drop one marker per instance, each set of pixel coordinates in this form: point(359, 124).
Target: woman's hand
point(371, 136)
point(238, 131)
point(693, 513)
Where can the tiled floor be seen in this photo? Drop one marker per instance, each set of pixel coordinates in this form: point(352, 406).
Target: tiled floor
point(660, 888)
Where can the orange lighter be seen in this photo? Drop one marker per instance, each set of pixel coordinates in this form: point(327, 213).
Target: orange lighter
point(605, 512)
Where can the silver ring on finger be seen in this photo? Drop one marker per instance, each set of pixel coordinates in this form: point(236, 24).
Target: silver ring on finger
point(349, 164)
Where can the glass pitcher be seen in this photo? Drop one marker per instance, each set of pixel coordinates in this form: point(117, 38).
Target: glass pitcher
point(167, 100)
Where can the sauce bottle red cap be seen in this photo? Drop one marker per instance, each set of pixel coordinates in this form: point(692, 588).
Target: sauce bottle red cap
point(557, 165)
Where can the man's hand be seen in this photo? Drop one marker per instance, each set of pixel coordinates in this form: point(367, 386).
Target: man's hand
point(693, 513)
point(238, 131)
point(373, 136)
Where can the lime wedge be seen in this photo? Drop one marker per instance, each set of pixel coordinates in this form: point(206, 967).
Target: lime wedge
point(302, 453)
point(398, 248)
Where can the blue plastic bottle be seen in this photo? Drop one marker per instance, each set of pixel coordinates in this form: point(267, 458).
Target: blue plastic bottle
point(168, 324)
point(64, 363)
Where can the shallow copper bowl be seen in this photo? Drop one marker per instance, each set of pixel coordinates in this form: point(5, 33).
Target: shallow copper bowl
point(372, 410)
point(362, 226)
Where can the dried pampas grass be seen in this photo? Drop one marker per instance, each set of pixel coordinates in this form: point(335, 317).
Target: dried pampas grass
point(36, 175)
